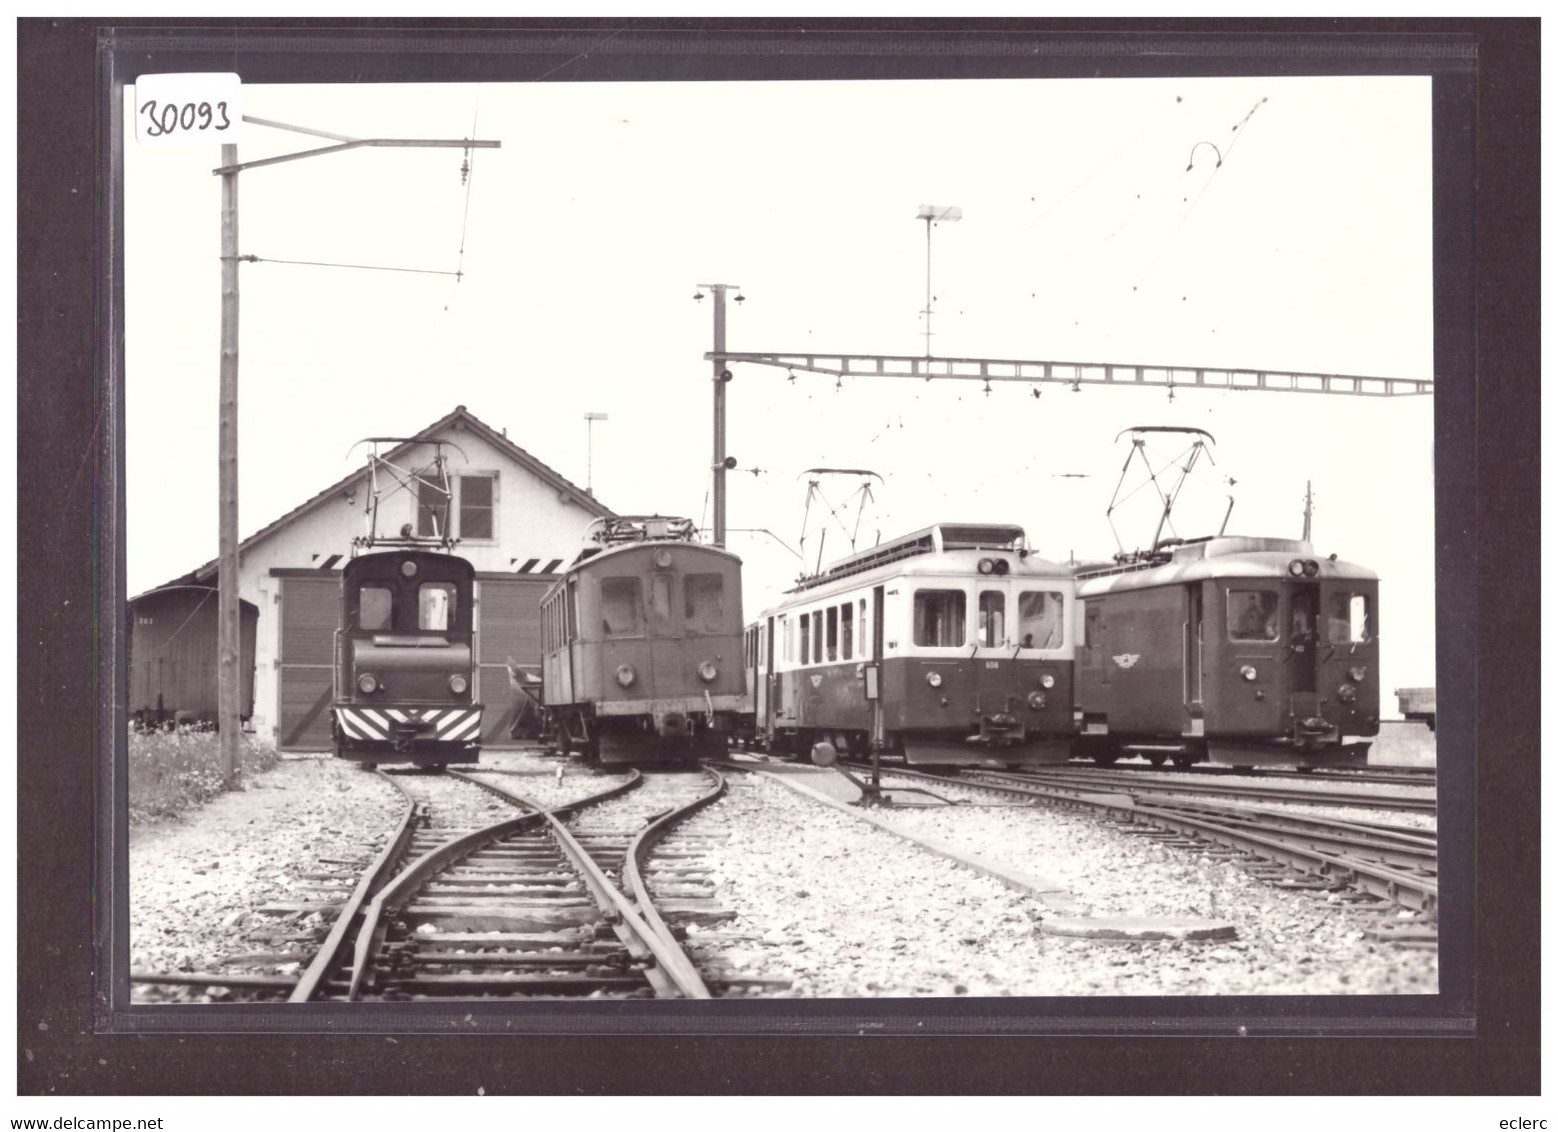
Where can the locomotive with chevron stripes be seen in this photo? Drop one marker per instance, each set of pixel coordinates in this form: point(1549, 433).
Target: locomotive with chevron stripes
point(641, 644)
point(403, 660)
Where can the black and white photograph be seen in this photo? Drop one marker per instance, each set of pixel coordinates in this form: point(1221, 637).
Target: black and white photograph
point(878, 539)
point(638, 531)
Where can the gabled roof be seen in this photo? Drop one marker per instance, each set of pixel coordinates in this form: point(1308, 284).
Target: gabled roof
point(460, 416)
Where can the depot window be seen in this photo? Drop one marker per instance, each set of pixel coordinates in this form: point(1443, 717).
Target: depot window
point(621, 607)
point(1040, 620)
point(940, 618)
point(704, 602)
point(1347, 619)
point(375, 606)
point(477, 494)
point(436, 606)
point(992, 617)
point(1252, 615)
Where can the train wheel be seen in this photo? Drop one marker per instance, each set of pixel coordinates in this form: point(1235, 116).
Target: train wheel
point(1184, 762)
point(1157, 758)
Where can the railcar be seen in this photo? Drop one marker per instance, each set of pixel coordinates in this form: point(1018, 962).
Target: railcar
point(953, 645)
point(404, 678)
point(641, 645)
point(1231, 650)
point(173, 657)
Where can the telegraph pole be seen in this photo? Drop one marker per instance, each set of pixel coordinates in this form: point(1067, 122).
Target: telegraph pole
point(229, 643)
point(229, 691)
point(722, 463)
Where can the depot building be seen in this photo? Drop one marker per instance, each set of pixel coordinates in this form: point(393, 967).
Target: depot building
point(516, 520)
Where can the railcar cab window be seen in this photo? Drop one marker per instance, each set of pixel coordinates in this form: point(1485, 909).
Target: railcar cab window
point(846, 631)
point(940, 618)
point(1347, 619)
point(833, 633)
point(992, 617)
point(1252, 615)
point(435, 606)
point(1040, 619)
point(703, 602)
point(375, 606)
point(621, 607)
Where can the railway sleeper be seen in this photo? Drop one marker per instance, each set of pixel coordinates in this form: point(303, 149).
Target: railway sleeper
point(553, 984)
point(619, 960)
point(503, 919)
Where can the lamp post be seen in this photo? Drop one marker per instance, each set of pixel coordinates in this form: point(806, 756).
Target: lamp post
point(931, 213)
point(589, 450)
point(722, 463)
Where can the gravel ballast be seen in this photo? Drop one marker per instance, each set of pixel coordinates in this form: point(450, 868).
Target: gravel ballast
point(825, 901)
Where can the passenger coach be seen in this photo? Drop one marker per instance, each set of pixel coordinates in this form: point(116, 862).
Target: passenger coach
point(968, 632)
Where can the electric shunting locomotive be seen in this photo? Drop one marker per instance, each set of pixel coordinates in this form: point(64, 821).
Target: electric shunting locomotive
point(1232, 650)
point(953, 643)
point(641, 644)
point(404, 682)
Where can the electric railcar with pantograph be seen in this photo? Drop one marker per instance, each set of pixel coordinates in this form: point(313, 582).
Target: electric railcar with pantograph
point(641, 645)
point(1232, 650)
point(951, 646)
point(404, 660)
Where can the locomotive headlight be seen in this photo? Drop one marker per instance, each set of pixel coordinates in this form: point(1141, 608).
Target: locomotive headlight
point(408, 568)
point(458, 684)
point(1002, 566)
point(707, 671)
point(1356, 674)
point(1347, 693)
point(1311, 567)
point(1046, 681)
point(987, 565)
point(626, 675)
point(1296, 567)
point(1248, 672)
point(367, 684)
point(933, 679)
point(1036, 700)
point(662, 558)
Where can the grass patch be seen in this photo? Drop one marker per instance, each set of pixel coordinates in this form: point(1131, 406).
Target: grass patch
point(173, 771)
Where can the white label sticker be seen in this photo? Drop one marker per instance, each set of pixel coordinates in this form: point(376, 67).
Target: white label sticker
point(188, 109)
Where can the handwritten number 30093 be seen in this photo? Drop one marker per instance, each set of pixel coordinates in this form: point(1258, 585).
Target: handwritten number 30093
point(188, 116)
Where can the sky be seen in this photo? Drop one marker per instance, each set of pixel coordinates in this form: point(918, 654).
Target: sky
point(1095, 227)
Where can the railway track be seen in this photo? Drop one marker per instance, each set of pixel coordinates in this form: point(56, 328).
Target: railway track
point(545, 904)
point(1391, 867)
point(1326, 794)
point(1386, 776)
point(485, 894)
